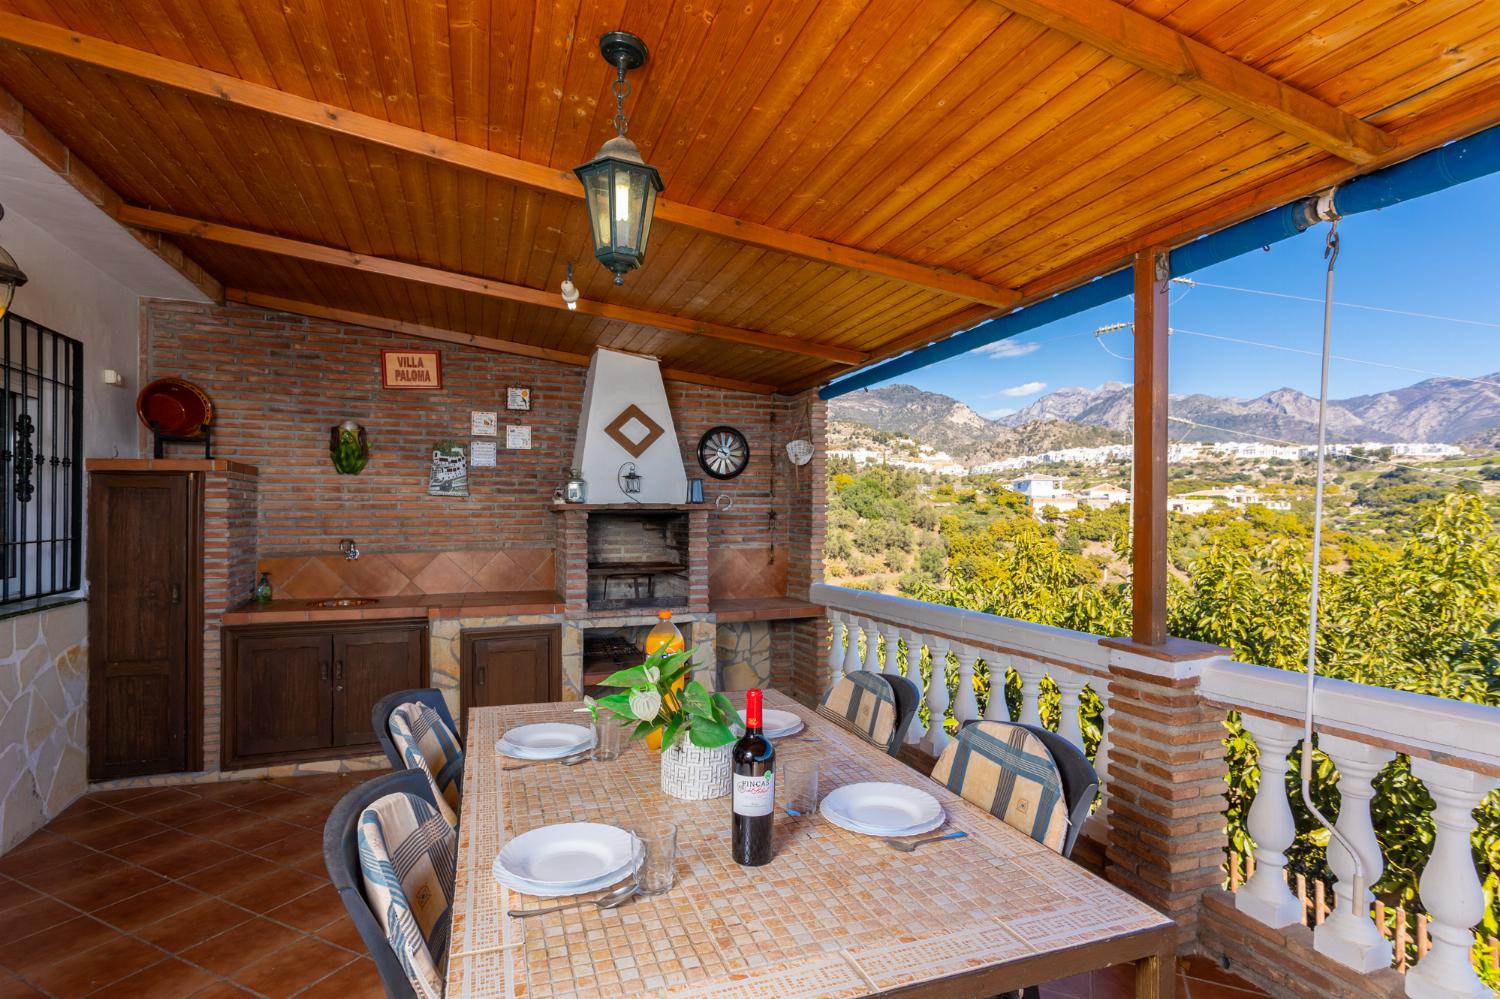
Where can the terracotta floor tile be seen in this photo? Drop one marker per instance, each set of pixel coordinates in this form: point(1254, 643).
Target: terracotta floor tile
point(271, 890)
point(16, 894)
point(83, 973)
point(54, 879)
point(104, 836)
point(188, 809)
point(1198, 988)
point(179, 931)
point(239, 792)
point(169, 979)
point(55, 943)
point(190, 855)
point(237, 947)
point(38, 914)
point(109, 889)
point(223, 990)
point(295, 849)
point(311, 911)
point(255, 833)
point(357, 980)
point(150, 804)
point(1072, 987)
point(341, 933)
point(237, 870)
point(49, 853)
point(13, 988)
point(151, 905)
point(1199, 968)
point(293, 968)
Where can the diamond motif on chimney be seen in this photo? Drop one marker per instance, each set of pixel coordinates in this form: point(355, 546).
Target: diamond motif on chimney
point(634, 431)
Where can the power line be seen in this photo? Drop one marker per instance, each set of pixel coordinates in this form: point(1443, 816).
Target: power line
point(1194, 283)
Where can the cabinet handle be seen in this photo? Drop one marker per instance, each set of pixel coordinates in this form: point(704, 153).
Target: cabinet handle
point(482, 679)
point(325, 671)
point(338, 675)
point(176, 594)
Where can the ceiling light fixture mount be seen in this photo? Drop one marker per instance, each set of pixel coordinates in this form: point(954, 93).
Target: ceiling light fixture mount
point(570, 290)
point(619, 186)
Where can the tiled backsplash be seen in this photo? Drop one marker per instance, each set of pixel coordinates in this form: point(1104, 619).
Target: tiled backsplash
point(374, 574)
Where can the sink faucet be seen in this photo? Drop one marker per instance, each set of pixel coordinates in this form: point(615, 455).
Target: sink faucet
point(349, 548)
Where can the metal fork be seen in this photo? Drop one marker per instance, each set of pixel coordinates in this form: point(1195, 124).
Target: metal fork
point(567, 761)
point(905, 847)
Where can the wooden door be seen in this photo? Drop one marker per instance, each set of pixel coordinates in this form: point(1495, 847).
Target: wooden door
point(145, 610)
point(283, 693)
point(368, 664)
point(511, 666)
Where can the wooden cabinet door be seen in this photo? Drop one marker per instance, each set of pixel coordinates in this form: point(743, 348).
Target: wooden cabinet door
point(367, 665)
point(283, 693)
point(143, 607)
point(513, 666)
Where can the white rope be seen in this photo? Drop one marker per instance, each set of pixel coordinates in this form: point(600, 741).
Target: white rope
point(1194, 283)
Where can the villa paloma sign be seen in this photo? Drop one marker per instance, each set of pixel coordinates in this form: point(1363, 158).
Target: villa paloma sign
point(411, 369)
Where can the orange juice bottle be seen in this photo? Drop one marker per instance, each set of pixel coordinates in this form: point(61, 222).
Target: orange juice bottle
point(665, 636)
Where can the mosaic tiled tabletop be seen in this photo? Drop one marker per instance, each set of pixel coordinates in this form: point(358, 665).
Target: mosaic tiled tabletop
point(834, 914)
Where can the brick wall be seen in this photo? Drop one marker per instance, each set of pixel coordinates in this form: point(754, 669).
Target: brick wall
point(280, 381)
point(806, 676)
point(229, 558)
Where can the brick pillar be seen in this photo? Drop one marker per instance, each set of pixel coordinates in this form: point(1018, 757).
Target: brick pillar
point(570, 559)
point(803, 492)
point(1165, 842)
point(698, 562)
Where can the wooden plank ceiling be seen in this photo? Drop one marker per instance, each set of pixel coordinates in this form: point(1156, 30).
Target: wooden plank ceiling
point(844, 178)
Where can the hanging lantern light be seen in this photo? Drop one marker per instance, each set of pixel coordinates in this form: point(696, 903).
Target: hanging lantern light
point(11, 276)
point(619, 187)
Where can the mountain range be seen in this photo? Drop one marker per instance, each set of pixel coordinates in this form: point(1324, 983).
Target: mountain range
point(1443, 410)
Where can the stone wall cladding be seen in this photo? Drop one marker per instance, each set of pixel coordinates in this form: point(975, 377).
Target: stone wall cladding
point(744, 650)
point(43, 721)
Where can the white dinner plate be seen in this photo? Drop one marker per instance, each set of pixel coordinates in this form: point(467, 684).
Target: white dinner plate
point(524, 887)
point(775, 724)
point(881, 809)
point(544, 741)
point(566, 855)
point(922, 827)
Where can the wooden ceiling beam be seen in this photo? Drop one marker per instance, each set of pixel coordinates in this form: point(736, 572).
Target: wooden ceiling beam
point(278, 304)
point(111, 57)
point(1157, 48)
point(177, 225)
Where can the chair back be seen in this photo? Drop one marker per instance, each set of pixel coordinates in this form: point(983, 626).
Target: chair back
point(865, 703)
point(1080, 781)
point(908, 703)
point(380, 717)
point(341, 855)
point(1009, 771)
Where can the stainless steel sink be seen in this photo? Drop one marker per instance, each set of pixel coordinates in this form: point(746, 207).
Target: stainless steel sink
point(347, 602)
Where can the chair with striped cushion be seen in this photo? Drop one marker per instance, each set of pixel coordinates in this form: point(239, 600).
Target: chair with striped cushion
point(1009, 771)
point(417, 733)
point(391, 857)
point(868, 704)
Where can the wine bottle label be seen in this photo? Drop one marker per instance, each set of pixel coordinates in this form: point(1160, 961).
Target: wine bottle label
point(754, 795)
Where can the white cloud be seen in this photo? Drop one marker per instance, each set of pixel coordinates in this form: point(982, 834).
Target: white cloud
point(1008, 348)
point(996, 414)
point(1027, 388)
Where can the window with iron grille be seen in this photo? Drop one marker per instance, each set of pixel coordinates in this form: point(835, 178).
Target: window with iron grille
point(41, 429)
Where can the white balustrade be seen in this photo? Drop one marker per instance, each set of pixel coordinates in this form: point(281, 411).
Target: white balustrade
point(1451, 889)
point(892, 637)
point(917, 731)
point(1265, 896)
point(872, 647)
point(1031, 672)
point(1070, 689)
point(851, 650)
point(1101, 759)
point(937, 739)
point(966, 704)
point(995, 709)
point(1349, 935)
point(835, 644)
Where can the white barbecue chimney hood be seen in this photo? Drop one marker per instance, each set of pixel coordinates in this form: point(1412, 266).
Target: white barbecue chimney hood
point(626, 419)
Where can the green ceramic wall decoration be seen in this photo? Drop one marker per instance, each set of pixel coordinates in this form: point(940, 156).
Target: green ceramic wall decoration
point(348, 448)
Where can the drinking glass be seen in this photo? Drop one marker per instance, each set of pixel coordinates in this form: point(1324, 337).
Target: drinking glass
point(797, 783)
point(609, 736)
point(659, 867)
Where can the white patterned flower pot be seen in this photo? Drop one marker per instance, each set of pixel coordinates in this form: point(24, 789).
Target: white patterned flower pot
point(695, 773)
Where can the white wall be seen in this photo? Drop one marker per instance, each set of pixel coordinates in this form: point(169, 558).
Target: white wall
point(68, 294)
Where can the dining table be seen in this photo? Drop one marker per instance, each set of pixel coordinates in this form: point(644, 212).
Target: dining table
point(834, 914)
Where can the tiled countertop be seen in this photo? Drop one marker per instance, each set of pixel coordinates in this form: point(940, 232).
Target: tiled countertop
point(430, 606)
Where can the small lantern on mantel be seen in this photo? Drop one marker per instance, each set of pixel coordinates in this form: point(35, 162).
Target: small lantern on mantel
point(348, 448)
point(630, 479)
point(573, 489)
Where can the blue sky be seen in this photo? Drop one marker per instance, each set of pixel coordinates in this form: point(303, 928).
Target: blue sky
point(1436, 255)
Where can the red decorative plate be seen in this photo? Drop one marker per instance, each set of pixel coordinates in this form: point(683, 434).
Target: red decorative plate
point(175, 407)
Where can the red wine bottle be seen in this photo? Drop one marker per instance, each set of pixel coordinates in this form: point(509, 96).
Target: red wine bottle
point(754, 788)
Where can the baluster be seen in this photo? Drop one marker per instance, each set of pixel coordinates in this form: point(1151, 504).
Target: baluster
point(1265, 895)
point(966, 706)
point(835, 645)
point(1030, 672)
point(1070, 689)
point(995, 709)
point(914, 674)
point(1101, 757)
point(872, 647)
point(1450, 887)
point(937, 697)
point(1348, 935)
point(851, 650)
point(892, 636)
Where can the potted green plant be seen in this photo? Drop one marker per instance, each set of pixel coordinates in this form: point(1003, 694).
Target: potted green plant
point(696, 724)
